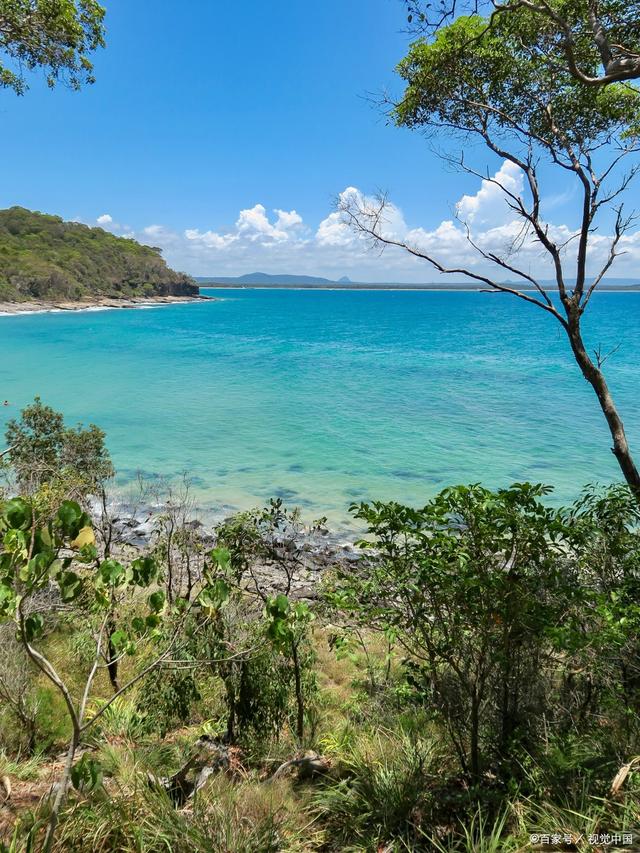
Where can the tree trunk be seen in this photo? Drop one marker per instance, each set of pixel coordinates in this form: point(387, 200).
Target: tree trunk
point(475, 737)
point(299, 693)
point(112, 656)
point(595, 378)
point(61, 793)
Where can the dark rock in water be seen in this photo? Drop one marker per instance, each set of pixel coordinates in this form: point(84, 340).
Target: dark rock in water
point(285, 494)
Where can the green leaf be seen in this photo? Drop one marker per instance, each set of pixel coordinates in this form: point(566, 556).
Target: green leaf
point(216, 595)
point(112, 572)
point(70, 585)
point(86, 774)
point(18, 514)
point(144, 571)
point(15, 542)
point(7, 600)
point(138, 624)
point(69, 518)
point(156, 601)
point(33, 627)
point(119, 640)
point(279, 632)
point(221, 557)
point(279, 606)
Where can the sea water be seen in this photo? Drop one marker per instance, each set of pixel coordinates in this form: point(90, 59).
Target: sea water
point(325, 398)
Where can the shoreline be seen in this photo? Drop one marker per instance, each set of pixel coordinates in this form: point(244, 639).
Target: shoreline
point(103, 303)
point(137, 526)
point(386, 288)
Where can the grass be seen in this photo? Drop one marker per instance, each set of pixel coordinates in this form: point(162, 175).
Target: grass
point(240, 818)
point(25, 769)
point(392, 785)
point(381, 793)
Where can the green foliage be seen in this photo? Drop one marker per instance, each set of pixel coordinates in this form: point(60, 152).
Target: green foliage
point(243, 817)
point(263, 691)
point(271, 537)
point(122, 720)
point(86, 774)
point(29, 560)
point(480, 835)
point(498, 81)
point(596, 44)
point(53, 461)
point(43, 257)
point(383, 794)
point(491, 643)
point(467, 586)
point(53, 35)
point(168, 698)
point(488, 594)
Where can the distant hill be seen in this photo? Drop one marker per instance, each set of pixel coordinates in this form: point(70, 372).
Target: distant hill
point(44, 257)
point(261, 279)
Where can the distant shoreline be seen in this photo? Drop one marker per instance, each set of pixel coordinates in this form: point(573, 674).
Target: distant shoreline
point(10, 309)
point(451, 288)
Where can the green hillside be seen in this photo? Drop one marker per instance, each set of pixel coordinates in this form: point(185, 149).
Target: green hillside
point(44, 257)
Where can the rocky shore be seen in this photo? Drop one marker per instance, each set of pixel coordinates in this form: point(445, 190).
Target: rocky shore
point(138, 528)
point(97, 304)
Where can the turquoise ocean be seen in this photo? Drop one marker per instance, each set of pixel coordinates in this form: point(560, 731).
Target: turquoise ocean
point(329, 397)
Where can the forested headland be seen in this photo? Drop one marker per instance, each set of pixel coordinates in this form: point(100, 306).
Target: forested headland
point(42, 257)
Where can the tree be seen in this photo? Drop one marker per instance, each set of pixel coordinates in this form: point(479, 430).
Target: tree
point(597, 42)
point(59, 558)
point(467, 587)
point(53, 35)
point(44, 452)
point(265, 547)
point(487, 84)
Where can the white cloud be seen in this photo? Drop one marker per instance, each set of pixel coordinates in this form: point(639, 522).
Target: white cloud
point(279, 240)
point(158, 232)
point(287, 219)
point(255, 224)
point(105, 219)
point(211, 239)
point(489, 206)
point(335, 231)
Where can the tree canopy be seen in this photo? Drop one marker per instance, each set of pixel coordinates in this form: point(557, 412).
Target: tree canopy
point(43, 257)
point(55, 36)
point(596, 41)
point(478, 79)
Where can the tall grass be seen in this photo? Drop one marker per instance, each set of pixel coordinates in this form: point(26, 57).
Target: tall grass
point(131, 817)
point(382, 794)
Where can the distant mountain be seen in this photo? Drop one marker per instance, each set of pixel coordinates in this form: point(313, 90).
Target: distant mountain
point(263, 278)
point(44, 257)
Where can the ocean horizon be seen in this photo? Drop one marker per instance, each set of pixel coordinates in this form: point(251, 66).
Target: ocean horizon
point(326, 397)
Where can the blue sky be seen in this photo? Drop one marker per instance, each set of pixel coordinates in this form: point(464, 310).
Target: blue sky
point(207, 118)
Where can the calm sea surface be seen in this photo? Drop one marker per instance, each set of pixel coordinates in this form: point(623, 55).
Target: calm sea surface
point(328, 397)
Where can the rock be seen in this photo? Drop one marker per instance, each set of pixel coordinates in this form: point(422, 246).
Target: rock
point(209, 756)
point(309, 766)
point(5, 783)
